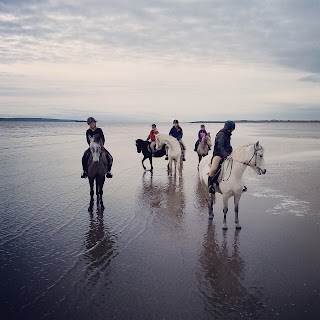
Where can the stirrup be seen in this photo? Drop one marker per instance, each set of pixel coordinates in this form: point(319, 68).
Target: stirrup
point(166, 158)
point(109, 174)
point(211, 185)
point(211, 189)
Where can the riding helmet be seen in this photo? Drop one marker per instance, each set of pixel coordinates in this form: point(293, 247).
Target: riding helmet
point(153, 125)
point(91, 119)
point(230, 125)
point(176, 121)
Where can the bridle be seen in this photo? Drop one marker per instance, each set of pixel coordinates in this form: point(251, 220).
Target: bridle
point(255, 155)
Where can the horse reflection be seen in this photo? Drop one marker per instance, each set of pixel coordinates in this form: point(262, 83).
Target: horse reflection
point(99, 244)
point(175, 196)
point(201, 195)
point(221, 278)
point(164, 194)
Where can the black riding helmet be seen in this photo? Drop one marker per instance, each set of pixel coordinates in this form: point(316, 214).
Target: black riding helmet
point(91, 119)
point(230, 125)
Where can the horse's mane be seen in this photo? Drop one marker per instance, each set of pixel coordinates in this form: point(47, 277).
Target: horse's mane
point(144, 142)
point(163, 136)
point(241, 151)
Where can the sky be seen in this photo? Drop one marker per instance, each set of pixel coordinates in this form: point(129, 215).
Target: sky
point(159, 60)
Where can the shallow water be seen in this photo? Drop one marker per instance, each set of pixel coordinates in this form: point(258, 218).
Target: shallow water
point(154, 253)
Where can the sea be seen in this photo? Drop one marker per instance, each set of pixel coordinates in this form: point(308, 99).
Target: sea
point(153, 253)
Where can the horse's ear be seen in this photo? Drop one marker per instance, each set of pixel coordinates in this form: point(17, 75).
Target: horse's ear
point(257, 144)
point(208, 134)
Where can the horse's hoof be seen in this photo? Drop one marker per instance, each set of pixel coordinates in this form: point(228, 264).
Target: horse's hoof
point(224, 228)
point(211, 216)
point(238, 227)
point(90, 209)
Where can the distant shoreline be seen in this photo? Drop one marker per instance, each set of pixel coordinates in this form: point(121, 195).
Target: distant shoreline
point(40, 120)
point(197, 121)
point(259, 121)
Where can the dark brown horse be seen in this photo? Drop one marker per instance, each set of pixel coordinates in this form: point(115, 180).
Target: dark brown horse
point(97, 168)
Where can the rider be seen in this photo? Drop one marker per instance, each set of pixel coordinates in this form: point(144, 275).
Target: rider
point(152, 137)
point(222, 150)
point(202, 133)
point(96, 132)
point(176, 132)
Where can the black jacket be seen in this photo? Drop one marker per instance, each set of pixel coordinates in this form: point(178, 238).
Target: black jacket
point(98, 133)
point(222, 146)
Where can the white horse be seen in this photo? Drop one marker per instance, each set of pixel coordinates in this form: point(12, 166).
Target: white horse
point(174, 149)
point(230, 179)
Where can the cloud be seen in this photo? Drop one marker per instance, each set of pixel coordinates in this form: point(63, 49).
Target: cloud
point(160, 59)
point(211, 32)
point(311, 78)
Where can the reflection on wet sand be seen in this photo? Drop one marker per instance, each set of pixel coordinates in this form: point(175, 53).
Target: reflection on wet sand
point(164, 196)
point(220, 279)
point(99, 243)
point(175, 196)
point(201, 196)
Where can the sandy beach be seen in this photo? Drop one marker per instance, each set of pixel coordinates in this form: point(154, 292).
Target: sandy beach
point(154, 254)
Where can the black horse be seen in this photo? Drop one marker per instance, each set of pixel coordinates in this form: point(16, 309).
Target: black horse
point(144, 147)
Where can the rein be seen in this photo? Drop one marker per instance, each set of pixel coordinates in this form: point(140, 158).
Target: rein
point(255, 154)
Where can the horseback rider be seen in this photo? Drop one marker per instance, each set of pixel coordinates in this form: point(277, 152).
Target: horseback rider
point(202, 133)
point(152, 137)
point(222, 150)
point(176, 132)
point(96, 132)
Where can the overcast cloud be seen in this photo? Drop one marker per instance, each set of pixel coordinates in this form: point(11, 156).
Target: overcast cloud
point(158, 60)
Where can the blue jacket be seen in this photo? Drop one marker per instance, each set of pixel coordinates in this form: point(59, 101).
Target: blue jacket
point(177, 133)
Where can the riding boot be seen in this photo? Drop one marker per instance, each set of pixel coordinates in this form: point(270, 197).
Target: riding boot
point(109, 166)
point(84, 174)
point(85, 160)
point(211, 185)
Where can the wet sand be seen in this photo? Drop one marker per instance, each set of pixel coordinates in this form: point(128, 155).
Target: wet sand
point(154, 254)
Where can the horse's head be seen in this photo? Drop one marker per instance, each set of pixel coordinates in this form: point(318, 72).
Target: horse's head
point(256, 159)
point(208, 139)
point(95, 148)
point(138, 145)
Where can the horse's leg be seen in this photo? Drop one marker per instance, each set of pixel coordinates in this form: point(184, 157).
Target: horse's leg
point(210, 205)
point(144, 158)
point(150, 159)
point(101, 183)
point(98, 192)
point(91, 181)
point(170, 165)
point(236, 210)
point(177, 164)
point(225, 210)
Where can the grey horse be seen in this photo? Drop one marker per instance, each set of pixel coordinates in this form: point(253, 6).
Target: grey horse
point(97, 168)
